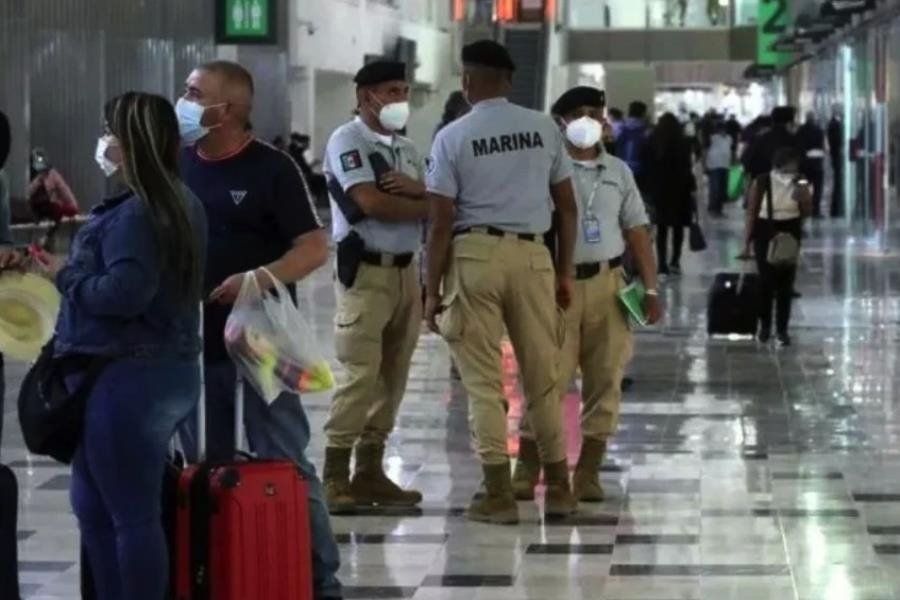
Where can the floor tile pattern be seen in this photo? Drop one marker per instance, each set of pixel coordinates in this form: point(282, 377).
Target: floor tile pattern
point(739, 472)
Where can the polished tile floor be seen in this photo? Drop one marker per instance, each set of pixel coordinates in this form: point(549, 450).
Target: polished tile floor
point(739, 472)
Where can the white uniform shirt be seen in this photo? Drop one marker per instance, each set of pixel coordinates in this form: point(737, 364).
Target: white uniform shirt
point(347, 160)
point(497, 163)
point(605, 190)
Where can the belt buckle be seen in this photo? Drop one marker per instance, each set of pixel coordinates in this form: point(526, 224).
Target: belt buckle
point(387, 260)
point(481, 230)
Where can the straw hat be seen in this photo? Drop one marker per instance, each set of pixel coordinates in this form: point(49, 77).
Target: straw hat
point(29, 305)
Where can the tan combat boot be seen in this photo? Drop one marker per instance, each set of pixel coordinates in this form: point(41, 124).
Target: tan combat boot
point(336, 481)
point(586, 484)
point(371, 486)
point(528, 470)
point(497, 505)
point(558, 499)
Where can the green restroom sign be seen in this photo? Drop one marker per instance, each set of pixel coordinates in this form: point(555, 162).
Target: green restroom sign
point(773, 21)
point(246, 21)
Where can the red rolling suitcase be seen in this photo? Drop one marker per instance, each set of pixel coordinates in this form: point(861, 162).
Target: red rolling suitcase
point(242, 528)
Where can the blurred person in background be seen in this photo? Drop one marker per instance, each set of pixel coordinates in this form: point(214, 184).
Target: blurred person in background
point(760, 153)
point(298, 149)
point(811, 143)
point(734, 129)
point(455, 107)
point(616, 121)
point(670, 186)
point(718, 160)
point(779, 202)
point(49, 196)
point(632, 139)
point(836, 152)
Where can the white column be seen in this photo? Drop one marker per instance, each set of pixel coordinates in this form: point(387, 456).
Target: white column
point(302, 90)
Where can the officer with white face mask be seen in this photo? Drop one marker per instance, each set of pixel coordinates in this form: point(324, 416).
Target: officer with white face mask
point(378, 200)
point(611, 219)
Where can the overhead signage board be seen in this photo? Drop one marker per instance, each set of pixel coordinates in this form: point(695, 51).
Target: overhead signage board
point(772, 23)
point(246, 22)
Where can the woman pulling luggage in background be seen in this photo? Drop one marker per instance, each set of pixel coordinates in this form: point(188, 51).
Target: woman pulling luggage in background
point(131, 291)
point(779, 201)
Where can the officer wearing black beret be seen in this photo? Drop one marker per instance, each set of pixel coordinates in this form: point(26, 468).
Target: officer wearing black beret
point(598, 339)
point(378, 204)
point(493, 178)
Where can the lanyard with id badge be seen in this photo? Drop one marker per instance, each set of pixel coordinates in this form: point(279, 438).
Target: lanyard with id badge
point(590, 223)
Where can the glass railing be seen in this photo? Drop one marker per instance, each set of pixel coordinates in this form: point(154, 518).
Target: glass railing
point(660, 14)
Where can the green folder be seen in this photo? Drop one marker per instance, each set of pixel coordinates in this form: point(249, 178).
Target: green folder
point(632, 299)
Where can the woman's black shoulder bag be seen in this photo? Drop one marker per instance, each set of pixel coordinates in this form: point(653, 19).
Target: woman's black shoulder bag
point(51, 416)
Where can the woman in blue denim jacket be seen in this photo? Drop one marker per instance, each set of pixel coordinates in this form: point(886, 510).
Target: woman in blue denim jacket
point(131, 292)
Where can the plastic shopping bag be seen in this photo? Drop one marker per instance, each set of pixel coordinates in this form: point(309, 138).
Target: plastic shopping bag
point(272, 344)
point(735, 182)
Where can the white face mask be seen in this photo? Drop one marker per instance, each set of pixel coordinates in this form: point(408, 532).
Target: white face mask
point(394, 116)
point(103, 144)
point(584, 132)
point(190, 116)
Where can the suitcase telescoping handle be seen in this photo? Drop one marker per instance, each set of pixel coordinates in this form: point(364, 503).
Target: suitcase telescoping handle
point(239, 414)
point(201, 407)
point(201, 404)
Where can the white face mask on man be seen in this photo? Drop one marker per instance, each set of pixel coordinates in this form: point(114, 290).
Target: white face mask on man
point(394, 115)
point(584, 132)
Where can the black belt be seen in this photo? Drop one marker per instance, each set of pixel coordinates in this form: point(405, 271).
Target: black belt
point(527, 237)
point(379, 259)
point(588, 270)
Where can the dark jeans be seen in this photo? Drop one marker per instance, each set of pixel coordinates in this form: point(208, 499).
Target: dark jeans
point(662, 244)
point(117, 474)
point(837, 192)
point(278, 430)
point(817, 180)
point(776, 283)
point(718, 189)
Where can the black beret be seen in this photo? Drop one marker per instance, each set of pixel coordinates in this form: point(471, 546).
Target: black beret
point(379, 72)
point(488, 53)
point(578, 96)
point(784, 114)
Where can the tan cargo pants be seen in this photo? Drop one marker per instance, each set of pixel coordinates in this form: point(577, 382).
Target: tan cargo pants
point(599, 340)
point(377, 326)
point(494, 282)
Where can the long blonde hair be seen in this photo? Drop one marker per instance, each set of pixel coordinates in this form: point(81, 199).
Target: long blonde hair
point(147, 130)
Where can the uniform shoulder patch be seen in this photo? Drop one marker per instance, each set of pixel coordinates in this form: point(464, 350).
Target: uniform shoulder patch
point(350, 161)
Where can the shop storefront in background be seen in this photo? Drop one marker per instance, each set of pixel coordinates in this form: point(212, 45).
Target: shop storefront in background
point(850, 82)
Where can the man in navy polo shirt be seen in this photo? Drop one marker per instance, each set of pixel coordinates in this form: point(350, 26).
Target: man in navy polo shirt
point(260, 215)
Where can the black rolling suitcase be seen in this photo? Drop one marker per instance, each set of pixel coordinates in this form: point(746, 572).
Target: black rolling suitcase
point(9, 509)
point(733, 304)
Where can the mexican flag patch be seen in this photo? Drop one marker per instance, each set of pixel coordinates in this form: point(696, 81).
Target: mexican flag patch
point(351, 161)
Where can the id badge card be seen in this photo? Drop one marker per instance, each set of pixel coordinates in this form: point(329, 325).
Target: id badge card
point(591, 227)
